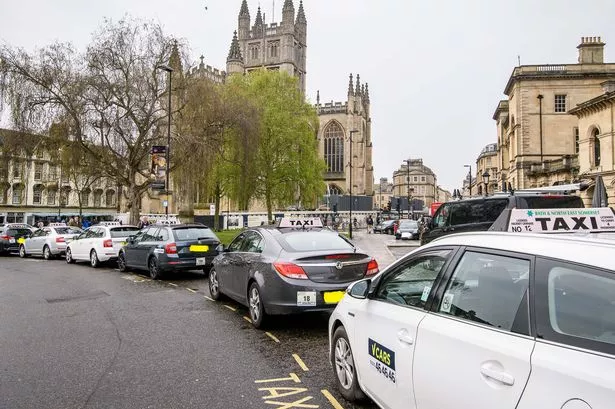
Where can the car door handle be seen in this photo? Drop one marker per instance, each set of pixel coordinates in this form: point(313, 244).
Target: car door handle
point(497, 375)
point(404, 337)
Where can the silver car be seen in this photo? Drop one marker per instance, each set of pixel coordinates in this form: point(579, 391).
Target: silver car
point(48, 242)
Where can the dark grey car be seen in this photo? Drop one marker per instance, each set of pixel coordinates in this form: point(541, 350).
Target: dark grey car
point(276, 270)
point(408, 229)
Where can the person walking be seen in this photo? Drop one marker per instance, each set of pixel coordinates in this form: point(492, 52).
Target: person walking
point(370, 224)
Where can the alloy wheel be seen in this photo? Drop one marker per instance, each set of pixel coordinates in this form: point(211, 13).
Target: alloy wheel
point(121, 262)
point(214, 286)
point(46, 253)
point(344, 363)
point(255, 304)
point(22, 251)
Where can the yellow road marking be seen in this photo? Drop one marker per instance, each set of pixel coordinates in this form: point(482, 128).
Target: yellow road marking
point(270, 335)
point(300, 362)
point(331, 399)
point(247, 319)
point(292, 377)
point(208, 298)
point(191, 290)
point(231, 308)
point(173, 284)
point(296, 404)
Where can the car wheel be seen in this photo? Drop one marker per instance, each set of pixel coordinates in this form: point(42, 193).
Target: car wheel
point(255, 303)
point(69, 256)
point(214, 285)
point(344, 367)
point(47, 253)
point(154, 269)
point(121, 262)
point(22, 251)
point(94, 262)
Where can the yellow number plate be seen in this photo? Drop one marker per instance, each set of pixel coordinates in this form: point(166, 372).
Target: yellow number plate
point(21, 240)
point(333, 297)
point(198, 249)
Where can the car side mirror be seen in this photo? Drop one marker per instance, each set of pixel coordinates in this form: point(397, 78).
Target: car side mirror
point(131, 239)
point(360, 289)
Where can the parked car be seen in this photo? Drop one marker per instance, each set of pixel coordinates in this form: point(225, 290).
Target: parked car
point(163, 249)
point(407, 230)
point(10, 234)
point(49, 241)
point(385, 227)
point(483, 320)
point(293, 267)
point(99, 243)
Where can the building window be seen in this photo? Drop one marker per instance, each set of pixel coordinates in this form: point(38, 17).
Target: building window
point(16, 169)
point(64, 197)
point(37, 195)
point(17, 192)
point(51, 197)
point(254, 51)
point(53, 172)
point(576, 140)
point(422, 178)
point(38, 171)
point(85, 198)
point(110, 198)
point(15, 217)
point(596, 143)
point(415, 179)
point(273, 49)
point(334, 148)
point(3, 168)
point(98, 198)
point(560, 103)
point(3, 191)
point(40, 154)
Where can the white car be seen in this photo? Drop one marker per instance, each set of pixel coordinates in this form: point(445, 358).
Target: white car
point(483, 321)
point(99, 243)
point(48, 242)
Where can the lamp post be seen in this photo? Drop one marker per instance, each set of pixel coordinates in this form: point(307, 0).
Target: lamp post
point(350, 224)
point(470, 179)
point(486, 177)
point(169, 70)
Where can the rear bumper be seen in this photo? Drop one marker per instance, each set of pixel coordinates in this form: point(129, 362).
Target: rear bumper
point(9, 248)
point(168, 264)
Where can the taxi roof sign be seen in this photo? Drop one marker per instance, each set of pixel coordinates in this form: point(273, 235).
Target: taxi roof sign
point(109, 224)
point(57, 225)
point(561, 220)
point(300, 223)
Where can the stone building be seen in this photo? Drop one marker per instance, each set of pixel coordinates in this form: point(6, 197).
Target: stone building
point(596, 140)
point(487, 163)
point(421, 181)
point(443, 195)
point(538, 138)
point(383, 192)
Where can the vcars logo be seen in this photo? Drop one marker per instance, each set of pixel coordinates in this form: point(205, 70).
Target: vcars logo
point(381, 353)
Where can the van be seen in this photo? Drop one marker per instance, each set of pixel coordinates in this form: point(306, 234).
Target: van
point(479, 214)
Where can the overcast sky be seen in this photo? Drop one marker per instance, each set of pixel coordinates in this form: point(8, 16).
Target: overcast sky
point(436, 68)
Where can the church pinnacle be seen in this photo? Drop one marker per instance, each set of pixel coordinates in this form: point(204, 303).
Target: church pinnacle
point(357, 91)
point(350, 86)
point(244, 9)
point(259, 17)
point(234, 53)
point(301, 14)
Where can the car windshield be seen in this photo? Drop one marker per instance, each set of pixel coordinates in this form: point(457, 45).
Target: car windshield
point(193, 233)
point(313, 241)
point(119, 232)
point(68, 230)
point(408, 225)
point(552, 202)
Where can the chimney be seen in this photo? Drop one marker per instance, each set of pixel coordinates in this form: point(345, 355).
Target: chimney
point(591, 50)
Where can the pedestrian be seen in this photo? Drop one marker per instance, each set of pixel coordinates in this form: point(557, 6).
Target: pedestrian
point(370, 224)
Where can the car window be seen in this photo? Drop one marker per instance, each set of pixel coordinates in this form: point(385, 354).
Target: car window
point(14, 232)
point(576, 305)
point(149, 234)
point(551, 202)
point(489, 289)
point(123, 231)
point(442, 215)
point(99, 232)
point(163, 234)
point(408, 225)
point(301, 241)
point(38, 233)
point(411, 282)
point(67, 230)
point(237, 243)
point(253, 243)
point(193, 233)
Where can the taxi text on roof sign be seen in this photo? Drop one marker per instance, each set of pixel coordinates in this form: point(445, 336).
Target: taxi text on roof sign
point(561, 220)
point(300, 223)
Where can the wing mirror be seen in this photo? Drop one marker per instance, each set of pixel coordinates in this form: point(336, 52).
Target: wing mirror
point(131, 239)
point(360, 289)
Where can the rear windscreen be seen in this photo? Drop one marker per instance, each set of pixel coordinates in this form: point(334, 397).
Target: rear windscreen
point(119, 232)
point(313, 241)
point(18, 232)
point(551, 202)
point(193, 233)
point(480, 211)
point(67, 230)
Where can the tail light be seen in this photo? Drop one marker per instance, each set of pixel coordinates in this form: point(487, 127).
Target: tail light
point(61, 240)
point(170, 248)
point(5, 237)
point(108, 243)
point(290, 270)
point(372, 268)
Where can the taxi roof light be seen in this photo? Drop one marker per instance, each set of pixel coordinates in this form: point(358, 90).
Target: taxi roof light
point(300, 223)
point(290, 270)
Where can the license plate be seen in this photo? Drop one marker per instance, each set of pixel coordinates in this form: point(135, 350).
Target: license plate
point(21, 240)
point(200, 261)
point(198, 248)
point(12, 241)
point(306, 298)
point(333, 297)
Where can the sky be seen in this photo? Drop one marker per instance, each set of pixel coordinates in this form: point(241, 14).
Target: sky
point(436, 68)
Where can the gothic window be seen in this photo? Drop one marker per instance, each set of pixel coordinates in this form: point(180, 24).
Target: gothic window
point(85, 198)
point(273, 49)
point(110, 198)
point(334, 190)
point(53, 173)
point(17, 193)
point(98, 198)
point(254, 51)
point(334, 147)
point(16, 169)
point(38, 171)
point(596, 143)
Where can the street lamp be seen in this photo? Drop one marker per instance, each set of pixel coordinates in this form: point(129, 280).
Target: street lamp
point(169, 70)
point(350, 224)
point(470, 179)
point(486, 177)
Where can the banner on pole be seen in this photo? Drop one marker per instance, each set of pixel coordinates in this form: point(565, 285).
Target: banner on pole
point(159, 168)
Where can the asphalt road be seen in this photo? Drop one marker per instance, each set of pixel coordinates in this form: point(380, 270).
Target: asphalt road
point(76, 337)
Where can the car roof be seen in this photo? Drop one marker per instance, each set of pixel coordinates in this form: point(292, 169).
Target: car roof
point(181, 226)
point(594, 249)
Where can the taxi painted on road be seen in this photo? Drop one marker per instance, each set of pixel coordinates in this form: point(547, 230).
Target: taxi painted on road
point(484, 320)
point(294, 267)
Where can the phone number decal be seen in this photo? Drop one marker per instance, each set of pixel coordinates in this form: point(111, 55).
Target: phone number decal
point(388, 373)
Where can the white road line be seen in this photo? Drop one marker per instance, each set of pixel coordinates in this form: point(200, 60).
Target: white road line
point(208, 298)
point(230, 308)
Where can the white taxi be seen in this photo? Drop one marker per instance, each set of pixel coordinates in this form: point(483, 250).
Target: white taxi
point(482, 321)
point(99, 243)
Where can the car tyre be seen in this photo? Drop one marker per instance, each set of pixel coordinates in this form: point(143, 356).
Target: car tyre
point(344, 368)
point(121, 262)
point(69, 256)
point(22, 251)
point(94, 262)
point(154, 269)
point(47, 253)
point(214, 285)
point(256, 307)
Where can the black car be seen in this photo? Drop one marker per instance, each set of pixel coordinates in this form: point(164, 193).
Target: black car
point(408, 230)
point(162, 249)
point(479, 214)
point(385, 227)
point(11, 236)
point(283, 270)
